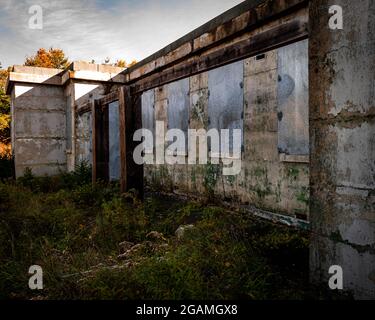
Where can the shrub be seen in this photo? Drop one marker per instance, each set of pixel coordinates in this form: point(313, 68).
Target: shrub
point(80, 177)
point(6, 166)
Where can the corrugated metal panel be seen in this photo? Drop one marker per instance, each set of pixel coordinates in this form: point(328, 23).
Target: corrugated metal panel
point(226, 98)
point(293, 99)
point(114, 141)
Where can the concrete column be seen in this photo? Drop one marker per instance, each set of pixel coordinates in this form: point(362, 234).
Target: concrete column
point(342, 130)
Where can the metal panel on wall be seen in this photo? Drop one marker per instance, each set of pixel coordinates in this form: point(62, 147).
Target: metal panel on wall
point(226, 98)
point(148, 115)
point(84, 138)
point(293, 99)
point(148, 110)
point(178, 106)
point(114, 141)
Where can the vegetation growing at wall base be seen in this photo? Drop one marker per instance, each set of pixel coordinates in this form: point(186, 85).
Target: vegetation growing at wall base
point(94, 243)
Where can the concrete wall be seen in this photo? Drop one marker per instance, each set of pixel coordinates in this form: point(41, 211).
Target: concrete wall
point(90, 82)
point(240, 95)
point(342, 126)
point(47, 134)
point(39, 128)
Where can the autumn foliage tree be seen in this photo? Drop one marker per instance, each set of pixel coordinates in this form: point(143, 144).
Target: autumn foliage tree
point(123, 64)
point(4, 112)
point(51, 58)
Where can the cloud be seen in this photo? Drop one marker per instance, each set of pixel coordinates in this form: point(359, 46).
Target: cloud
point(87, 29)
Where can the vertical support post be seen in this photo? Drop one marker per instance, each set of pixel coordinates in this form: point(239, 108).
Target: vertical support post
point(130, 121)
point(105, 143)
point(136, 175)
point(123, 101)
point(94, 125)
point(100, 138)
point(342, 130)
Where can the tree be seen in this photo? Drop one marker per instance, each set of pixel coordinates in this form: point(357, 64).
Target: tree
point(4, 109)
point(134, 62)
point(123, 64)
point(52, 58)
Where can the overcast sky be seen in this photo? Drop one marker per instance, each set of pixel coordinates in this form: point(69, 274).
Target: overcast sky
point(96, 29)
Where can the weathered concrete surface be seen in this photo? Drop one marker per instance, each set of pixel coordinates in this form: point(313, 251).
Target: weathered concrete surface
point(244, 20)
point(342, 125)
point(342, 130)
point(84, 138)
point(44, 104)
point(84, 82)
point(245, 89)
point(38, 137)
point(84, 93)
point(269, 182)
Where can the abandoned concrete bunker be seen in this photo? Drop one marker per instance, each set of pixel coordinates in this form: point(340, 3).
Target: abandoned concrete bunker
point(301, 94)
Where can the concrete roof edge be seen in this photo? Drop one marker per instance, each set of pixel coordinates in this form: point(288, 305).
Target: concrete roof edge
point(207, 27)
point(77, 70)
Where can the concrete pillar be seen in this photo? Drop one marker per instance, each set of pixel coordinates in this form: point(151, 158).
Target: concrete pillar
point(342, 130)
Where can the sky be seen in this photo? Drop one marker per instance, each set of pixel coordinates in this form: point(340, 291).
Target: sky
point(96, 29)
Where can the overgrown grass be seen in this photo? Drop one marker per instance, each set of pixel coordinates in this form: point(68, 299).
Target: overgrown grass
point(76, 233)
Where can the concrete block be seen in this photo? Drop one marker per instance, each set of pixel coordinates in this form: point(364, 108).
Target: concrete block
point(261, 146)
point(358, 266)
point(179, 53)
point(356, 145)
point(199, 109)
point(36, 124)
point(31, 152)
point(37, 70)
point(41, 170)
point(45, 104)
point(199, 82)
point(260, 63)
point(260, 92)
point(204, 40)
point(161, 93)
point(37, 90)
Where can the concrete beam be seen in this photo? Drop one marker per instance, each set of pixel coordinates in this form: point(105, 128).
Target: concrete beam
point(77, 71)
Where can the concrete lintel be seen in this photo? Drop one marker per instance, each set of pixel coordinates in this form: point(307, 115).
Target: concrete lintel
point(57, 77)
point(37, 70)
point(95, 76)
point(33, 78)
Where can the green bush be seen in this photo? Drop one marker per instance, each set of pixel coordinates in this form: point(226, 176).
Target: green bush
point(6, 167)
point(80, 177)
